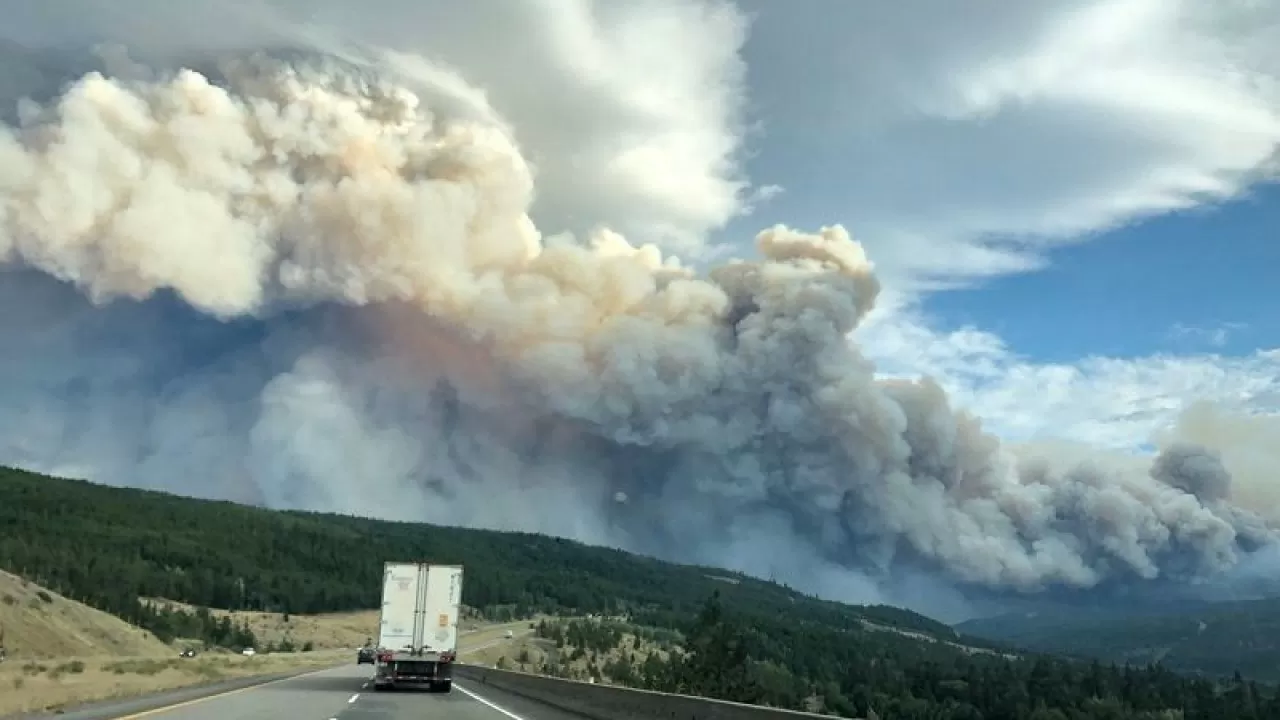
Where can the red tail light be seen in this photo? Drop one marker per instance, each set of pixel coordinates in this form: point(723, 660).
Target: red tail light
point(384, 657)
point(447, 657)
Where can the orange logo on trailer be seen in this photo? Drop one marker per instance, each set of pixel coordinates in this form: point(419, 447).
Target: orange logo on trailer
point(444, 620)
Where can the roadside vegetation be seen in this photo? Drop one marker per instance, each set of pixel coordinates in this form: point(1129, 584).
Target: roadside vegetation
point(748, 658)
point(52, 685)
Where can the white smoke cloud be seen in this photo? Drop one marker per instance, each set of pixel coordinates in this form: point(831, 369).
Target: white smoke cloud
point(1107, 407)
point(312, 282)
point(623, 131)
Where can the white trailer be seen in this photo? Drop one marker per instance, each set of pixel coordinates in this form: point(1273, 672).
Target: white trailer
point(418, 634)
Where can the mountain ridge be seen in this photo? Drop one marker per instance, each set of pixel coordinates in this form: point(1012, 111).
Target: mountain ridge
point(109, 514)
point(1213, 639)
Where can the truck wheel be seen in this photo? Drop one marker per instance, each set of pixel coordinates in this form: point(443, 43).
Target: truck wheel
point(445, 686)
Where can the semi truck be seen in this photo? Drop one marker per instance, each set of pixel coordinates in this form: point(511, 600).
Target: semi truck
point(418, 630)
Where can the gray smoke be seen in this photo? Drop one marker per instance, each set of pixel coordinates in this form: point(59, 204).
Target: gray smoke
point(1191, 469)
point(303, 284)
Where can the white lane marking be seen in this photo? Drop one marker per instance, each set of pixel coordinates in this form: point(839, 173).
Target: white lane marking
point(492, 705)
point(353, 698)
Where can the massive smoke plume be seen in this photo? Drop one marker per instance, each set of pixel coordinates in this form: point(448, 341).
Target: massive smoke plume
point(293, 281)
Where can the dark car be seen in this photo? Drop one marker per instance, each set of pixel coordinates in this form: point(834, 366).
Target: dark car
point(365, 656)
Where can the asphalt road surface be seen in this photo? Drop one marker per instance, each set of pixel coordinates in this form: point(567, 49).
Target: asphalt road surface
point(343, 693)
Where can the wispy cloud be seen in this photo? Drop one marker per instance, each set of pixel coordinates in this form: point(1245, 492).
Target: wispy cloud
point(964, 140)
point(1215, 336)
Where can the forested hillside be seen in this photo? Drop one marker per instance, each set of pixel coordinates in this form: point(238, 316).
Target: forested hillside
point(757, 642)
point(108, 546)
point(1217, 639)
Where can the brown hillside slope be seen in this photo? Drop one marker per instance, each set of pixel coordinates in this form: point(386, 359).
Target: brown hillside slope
point(41, 624)
point(347, 630)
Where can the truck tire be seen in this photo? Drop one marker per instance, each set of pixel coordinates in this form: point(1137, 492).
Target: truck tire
point(445, 686)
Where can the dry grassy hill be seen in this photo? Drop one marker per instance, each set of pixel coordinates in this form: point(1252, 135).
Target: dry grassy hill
point(41, 624)
point(60, 652)
point(347, 630)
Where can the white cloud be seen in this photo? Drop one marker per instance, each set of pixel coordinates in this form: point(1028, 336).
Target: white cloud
point(1113, 403)
point(961, 140)
point(1215, 336)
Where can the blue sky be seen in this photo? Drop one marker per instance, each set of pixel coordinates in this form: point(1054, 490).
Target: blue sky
point(1128, 292)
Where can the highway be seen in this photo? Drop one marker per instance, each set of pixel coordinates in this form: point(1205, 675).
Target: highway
point(342, 693)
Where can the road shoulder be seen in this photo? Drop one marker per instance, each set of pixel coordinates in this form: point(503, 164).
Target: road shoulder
point(124, 707)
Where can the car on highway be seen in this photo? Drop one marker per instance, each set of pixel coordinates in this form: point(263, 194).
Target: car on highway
point(365, 655)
